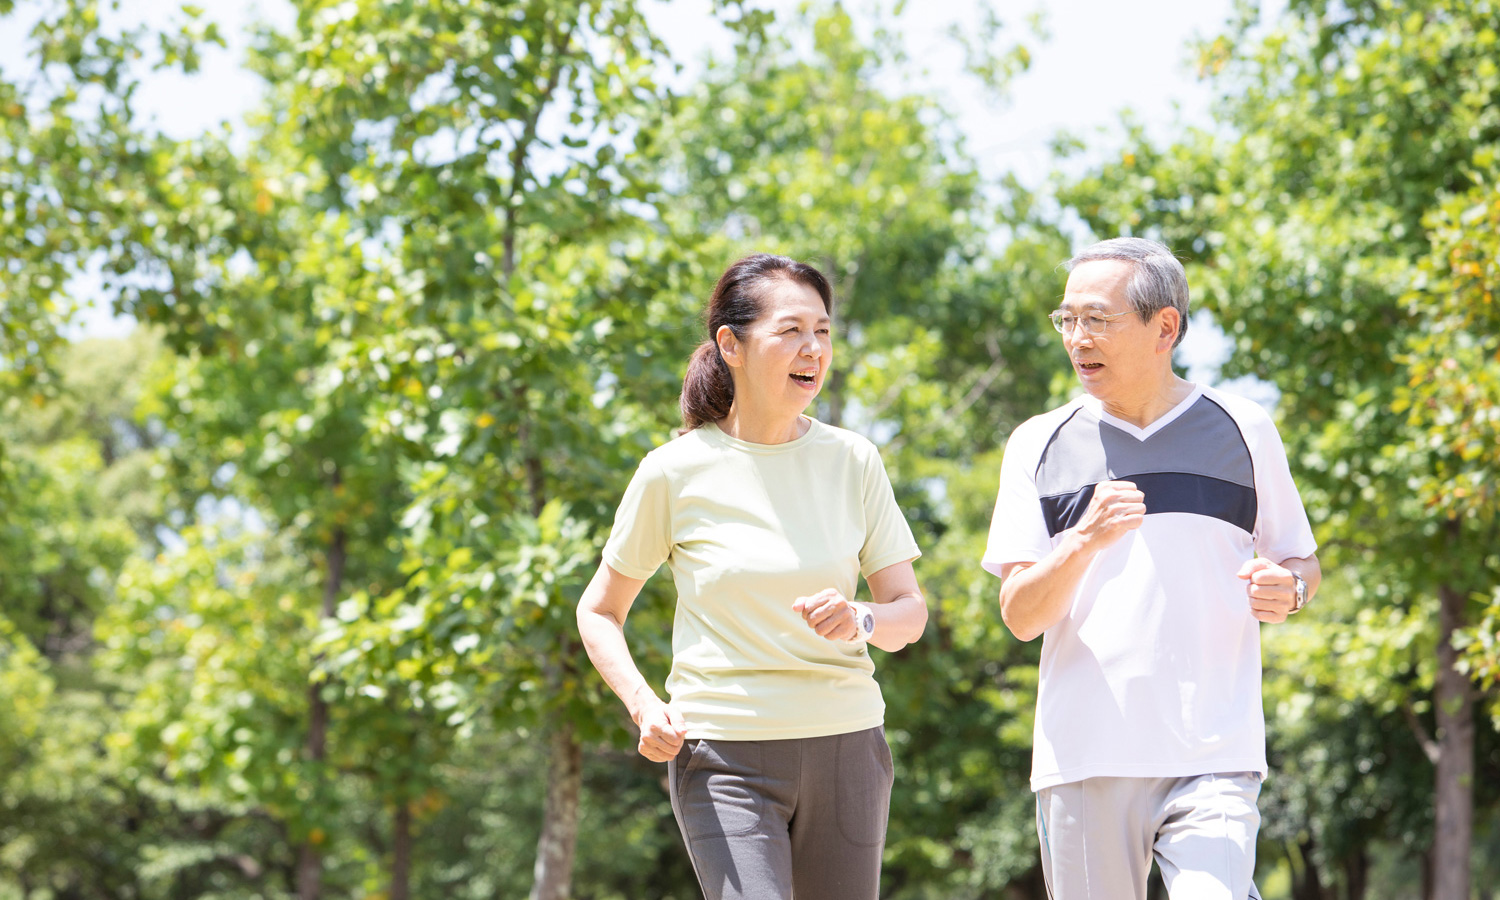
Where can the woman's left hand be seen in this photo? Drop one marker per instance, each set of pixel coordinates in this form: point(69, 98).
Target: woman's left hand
point(829, 614)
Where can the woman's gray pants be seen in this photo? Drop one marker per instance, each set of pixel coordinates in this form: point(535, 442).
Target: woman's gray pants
point(800, 818)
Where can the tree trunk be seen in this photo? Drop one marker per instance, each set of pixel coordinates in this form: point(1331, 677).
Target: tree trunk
point(309, 857)
point(835, 398)
point(553, 876)
point(1307, 884)
point(1453, 698)
point(401, 842)
point(1356, 874)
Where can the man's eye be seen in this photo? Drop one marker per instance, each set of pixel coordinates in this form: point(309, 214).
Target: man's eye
point(1094, 323)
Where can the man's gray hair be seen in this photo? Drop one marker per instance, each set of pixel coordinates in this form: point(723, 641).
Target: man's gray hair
point(1157, 282)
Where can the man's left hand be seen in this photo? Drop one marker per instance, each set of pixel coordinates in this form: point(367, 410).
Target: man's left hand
point(1271, 590)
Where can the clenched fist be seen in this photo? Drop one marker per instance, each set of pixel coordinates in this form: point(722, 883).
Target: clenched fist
point(1117, 507)
point(829, 614)
point(662, 729)
point(1271, 590)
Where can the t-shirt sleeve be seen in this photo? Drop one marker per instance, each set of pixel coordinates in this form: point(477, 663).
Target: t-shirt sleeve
point(888, 537)
point(641, 539)
point(1018, 531)
point(1281, 527)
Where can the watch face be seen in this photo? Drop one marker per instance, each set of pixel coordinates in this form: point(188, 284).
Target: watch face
point(867, 623)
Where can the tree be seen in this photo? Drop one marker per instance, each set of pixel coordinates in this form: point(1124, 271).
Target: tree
point(485, 156)
point(80, 818)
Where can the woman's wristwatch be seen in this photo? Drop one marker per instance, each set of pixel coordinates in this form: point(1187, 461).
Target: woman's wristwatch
point(864, 621)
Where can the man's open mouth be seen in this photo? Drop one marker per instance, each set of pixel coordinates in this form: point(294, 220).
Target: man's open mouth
point(805, 379)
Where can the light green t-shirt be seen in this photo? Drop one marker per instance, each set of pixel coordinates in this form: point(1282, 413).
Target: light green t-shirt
point(746, 529)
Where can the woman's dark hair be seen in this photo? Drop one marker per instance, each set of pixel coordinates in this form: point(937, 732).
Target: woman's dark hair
point(738, 300)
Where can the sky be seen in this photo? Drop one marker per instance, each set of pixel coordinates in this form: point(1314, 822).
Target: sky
point(1100, 58)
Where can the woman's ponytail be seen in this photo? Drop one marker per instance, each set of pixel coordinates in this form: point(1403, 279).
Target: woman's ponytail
point(708, 388)
point(707, 391)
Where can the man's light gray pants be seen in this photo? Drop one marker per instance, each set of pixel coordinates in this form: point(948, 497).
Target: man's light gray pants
point(1098, 836)
point(773, 820)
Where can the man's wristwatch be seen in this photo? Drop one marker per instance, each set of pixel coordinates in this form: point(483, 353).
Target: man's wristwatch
point(1299, 600)
point(864, 621)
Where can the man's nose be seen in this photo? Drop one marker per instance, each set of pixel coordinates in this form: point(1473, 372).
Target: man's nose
point(1076, 335)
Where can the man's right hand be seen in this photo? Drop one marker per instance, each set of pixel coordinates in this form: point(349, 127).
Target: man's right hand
point(1117, 507)
point(662, 729)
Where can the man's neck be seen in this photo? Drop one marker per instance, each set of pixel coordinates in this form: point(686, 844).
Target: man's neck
point(1151, 405)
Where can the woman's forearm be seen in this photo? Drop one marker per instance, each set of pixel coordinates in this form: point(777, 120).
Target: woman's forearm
point(601, 624)
point(604, 639)
point(899, 622)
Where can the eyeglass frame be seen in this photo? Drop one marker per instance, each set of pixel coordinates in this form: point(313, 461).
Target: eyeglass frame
point(1057, 317)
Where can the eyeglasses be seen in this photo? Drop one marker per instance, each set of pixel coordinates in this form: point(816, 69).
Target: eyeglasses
point(1093, 322)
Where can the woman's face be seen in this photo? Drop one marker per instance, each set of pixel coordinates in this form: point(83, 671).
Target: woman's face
point(782, 361)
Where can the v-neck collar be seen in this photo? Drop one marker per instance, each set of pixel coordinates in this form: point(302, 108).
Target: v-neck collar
point(1144, 434)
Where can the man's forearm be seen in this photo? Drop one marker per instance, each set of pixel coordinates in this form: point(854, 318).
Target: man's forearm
point(1036, 597)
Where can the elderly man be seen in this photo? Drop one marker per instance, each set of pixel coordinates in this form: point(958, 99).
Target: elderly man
point(1145, 530)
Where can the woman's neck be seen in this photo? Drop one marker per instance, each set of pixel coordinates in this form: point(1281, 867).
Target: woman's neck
point(762, 428)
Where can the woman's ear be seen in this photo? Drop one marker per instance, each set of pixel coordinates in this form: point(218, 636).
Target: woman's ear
point(729, 346)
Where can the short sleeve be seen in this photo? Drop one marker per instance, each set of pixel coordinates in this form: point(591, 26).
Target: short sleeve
point(888, 538)
point(1281, 527)
point(641, 539)
point(1018, 530)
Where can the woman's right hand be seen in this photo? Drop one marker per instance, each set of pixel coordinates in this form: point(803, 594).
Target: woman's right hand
point(662, 729)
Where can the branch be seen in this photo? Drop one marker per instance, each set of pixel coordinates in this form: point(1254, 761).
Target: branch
point(976, 390)
point(1429, 746)
point(523, 147)
point(983, 382)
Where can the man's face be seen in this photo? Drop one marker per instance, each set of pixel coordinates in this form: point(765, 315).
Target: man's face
point(1117, 363)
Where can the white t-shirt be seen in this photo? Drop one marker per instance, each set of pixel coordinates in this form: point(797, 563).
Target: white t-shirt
point(1155, 670)
point(746, 529)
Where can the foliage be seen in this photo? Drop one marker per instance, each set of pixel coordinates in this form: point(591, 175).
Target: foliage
point(1452, 396)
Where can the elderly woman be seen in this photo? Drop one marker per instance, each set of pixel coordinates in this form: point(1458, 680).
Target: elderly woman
point(774, 737)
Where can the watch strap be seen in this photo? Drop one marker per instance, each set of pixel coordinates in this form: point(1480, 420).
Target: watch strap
point(1299, 593)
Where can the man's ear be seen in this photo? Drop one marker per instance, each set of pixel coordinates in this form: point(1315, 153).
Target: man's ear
point(729, 346)
point(1171, 324)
